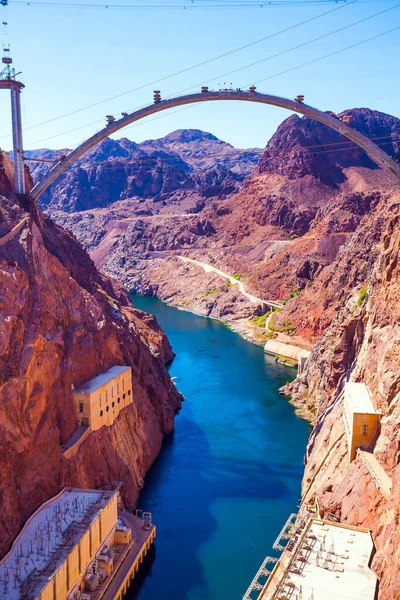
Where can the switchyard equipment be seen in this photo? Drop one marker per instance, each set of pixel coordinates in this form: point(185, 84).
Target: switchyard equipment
point(77, 546)
point(321, 560)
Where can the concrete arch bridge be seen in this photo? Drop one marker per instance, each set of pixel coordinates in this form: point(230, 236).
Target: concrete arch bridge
point(377, 155)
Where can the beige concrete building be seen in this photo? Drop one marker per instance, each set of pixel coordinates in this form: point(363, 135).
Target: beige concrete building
point(360, 417)
point(99, 401)
point(75, 547)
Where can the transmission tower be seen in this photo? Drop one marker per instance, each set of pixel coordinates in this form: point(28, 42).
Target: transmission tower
point(8, 81)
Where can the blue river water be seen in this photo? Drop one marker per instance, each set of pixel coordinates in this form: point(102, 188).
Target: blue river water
point(229, 476)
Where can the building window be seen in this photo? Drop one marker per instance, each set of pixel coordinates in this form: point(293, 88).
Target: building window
point(123, 396)
point(365, 429)
point(119, 400)
point(113, 404)
point(80, 407)
point(101, 413)
point(129, 392)
point(107, 408)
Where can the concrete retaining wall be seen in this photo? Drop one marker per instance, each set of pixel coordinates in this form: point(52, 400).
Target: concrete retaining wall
point(293, 353)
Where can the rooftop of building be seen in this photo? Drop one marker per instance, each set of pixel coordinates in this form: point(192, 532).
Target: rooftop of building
point(46, 540)
point(330, 562)
point(358, 398)
point(93, 384)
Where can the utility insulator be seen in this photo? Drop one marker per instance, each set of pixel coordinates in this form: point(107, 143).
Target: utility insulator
point(110, 119)
point(156, 96)
point(124, 114)
point(204, 89)
point(252, 89)
point(299, 99)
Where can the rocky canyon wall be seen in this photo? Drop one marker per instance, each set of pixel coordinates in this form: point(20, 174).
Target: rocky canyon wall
point(361, 344)
point(61, 323)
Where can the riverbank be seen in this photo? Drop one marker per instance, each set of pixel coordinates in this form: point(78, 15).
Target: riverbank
point(242, 327)
point(253, 334)
point(209, 292)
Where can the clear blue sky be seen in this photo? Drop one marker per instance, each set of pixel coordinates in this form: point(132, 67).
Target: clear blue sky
point(72, 57)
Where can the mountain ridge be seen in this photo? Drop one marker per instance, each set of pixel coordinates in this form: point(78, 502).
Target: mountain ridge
point(280, 229)
point(119, 169)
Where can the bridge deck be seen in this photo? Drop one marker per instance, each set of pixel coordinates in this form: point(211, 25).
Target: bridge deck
point(378, 155)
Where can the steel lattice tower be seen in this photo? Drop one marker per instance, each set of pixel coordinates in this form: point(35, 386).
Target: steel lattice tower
point(8, 82)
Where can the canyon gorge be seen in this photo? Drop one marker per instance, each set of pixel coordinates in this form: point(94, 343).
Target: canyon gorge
point(309, 222)
point(63, 322)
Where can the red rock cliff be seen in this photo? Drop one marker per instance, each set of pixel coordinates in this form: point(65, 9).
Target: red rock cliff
point(61, 323)
point(362, 344)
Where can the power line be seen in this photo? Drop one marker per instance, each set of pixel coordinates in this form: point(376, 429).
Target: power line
point(266, 78)
point(281, 53)
point(68, 131)
point(201, 64)
point(310, 62)
point(185, 5)
point(321, 37)
point(189, 5)
point(317, 149)
point(102, 120)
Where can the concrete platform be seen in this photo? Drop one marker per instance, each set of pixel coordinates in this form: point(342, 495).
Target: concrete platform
point(70, 448)
point(328, 561)
point(375, 469)
point(128, 563)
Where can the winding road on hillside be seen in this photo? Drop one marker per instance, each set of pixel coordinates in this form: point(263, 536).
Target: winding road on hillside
point(210, 269)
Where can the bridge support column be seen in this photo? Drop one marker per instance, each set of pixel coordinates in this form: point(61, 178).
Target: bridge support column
point(19, 175)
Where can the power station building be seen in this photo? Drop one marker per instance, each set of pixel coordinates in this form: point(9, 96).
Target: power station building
point(57, 544)
point(76, 546)
point(360, 417)
point(99, 401)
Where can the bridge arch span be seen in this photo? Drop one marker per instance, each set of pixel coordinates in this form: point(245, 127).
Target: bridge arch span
point(377, 155)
